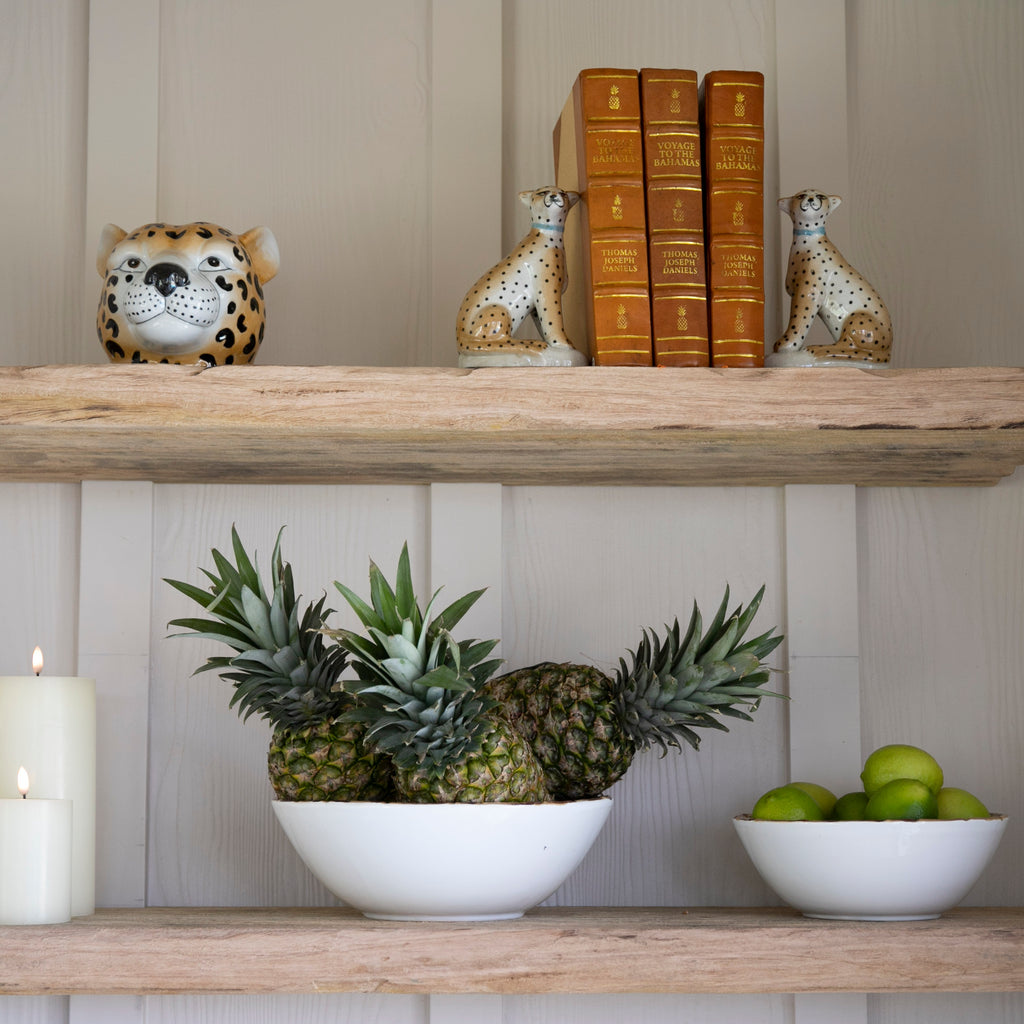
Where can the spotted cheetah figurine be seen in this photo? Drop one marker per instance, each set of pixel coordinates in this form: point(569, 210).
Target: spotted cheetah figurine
point(183, 293)
point(823, 284)
point(530, 280)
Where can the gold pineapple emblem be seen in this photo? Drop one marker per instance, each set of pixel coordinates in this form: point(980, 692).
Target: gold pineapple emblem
point(739, 324)
point(613, 98)
point(740, 106)
point(617, 208)
point(673, 103)
point(737, 214)
point(682, 323)
point(678, 212)
point(621, 322)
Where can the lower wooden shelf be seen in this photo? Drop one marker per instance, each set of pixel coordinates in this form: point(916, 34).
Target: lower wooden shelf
point(575, 950)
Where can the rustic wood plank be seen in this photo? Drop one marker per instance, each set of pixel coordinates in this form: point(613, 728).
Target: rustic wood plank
point(593, 425)
point(575, 950)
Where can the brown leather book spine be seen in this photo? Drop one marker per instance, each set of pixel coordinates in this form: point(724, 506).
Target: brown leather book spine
point(599, 153)
point(675, 216)
point(732, 122)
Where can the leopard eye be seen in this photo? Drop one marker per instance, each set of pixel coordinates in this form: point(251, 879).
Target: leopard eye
point(131, 263)
point(214, 263)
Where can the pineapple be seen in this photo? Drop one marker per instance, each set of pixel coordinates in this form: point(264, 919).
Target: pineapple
point(418, 694)
point(585, 726)
point(283, 671)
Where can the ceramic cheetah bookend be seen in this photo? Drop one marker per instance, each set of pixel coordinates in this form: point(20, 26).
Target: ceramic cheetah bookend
point(529, 281)
point(823, 284)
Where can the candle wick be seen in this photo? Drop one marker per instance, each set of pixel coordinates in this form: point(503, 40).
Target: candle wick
point(24, 796)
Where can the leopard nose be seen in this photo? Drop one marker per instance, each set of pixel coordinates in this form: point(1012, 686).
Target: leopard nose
point(165, 277)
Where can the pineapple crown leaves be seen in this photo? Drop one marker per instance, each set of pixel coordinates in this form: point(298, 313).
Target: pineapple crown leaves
point(416, 686)
point(683, 683)
point(281, 668)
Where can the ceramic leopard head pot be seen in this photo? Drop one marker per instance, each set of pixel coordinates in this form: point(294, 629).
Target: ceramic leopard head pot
point(183, 293)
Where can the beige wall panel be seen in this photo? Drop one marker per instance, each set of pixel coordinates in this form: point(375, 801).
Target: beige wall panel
point(937, 200)
point(39, 569)
point(947, 1008)
point(318, 1009)
point(651, 1009)
point(43, 75)
point(213, 839)
point(312, 119)
point(941, 643)
point(585, 570)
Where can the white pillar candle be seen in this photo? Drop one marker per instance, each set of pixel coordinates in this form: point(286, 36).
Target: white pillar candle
point(48, 724)
point(35, 859)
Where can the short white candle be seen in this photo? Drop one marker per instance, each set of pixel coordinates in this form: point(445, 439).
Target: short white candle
point(48, 724)
point(35, 859)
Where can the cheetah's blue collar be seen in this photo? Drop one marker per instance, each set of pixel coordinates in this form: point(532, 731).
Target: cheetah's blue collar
point(809, 231)
point(556, 228)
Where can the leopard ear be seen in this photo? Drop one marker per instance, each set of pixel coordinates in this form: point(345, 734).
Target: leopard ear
point(262, 247)
point(526, 197)
point(109, 237)
point(833, 203)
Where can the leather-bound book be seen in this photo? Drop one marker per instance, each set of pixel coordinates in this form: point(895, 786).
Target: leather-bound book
point(598, 146)
point(675, 216)
point(732, 123)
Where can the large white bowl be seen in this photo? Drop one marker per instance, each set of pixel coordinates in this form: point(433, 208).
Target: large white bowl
point(442, 862)
point(871, 870)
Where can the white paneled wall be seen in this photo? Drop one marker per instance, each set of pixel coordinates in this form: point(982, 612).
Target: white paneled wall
point(384, 144)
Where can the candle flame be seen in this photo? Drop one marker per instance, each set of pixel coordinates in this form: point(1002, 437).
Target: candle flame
point(37, 661)
point(22, 781)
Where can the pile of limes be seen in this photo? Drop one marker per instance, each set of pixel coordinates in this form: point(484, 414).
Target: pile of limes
point(901, 783)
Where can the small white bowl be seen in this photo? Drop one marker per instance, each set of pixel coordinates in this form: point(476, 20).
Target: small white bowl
point(442, 862)
point(871, 870)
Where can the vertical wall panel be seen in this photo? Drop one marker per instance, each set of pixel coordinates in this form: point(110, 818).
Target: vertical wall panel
point(43, 48)
point(312, 119)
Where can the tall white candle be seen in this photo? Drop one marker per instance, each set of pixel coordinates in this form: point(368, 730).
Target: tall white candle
point(48, 724)
point(35, 859)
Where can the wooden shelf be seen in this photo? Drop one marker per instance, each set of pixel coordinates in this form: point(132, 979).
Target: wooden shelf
point(581, 950)
point(593, 425)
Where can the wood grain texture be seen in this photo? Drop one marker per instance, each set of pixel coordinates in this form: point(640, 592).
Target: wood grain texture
point(568, 951)
point(582, 426)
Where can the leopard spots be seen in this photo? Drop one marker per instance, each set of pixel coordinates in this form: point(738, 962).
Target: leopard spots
point(183, 293)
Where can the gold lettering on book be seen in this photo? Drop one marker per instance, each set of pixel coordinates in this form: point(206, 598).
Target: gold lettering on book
point(682, 263)
point(676, 153)
point(737, 157)
point(739, 265)
point(621, 261)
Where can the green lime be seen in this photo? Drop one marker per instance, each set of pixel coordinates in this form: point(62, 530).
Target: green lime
point(900, 761)
point(823, 797)
point(787, 803)
point(850, 806)
point(958, 803)
point(902, 800)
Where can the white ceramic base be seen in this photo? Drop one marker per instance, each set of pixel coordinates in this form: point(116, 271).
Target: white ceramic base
point(552, 356)
point(801, 357)
point(442, 862)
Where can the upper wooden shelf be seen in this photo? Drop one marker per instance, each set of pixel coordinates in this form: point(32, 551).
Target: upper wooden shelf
point(578, 950)
point(592, 425)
